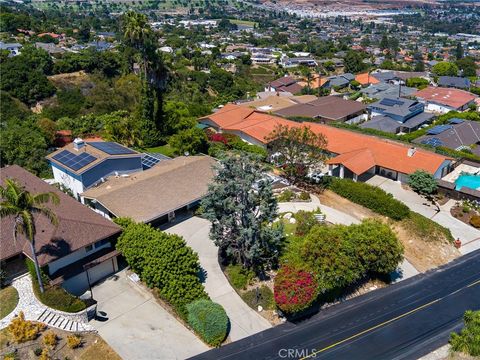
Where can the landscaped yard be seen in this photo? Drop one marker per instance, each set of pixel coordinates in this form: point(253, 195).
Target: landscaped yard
point(92, 346)
point(166, 150)
point(8, 300)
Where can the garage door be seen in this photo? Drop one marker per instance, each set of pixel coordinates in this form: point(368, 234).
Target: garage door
point(101, 271)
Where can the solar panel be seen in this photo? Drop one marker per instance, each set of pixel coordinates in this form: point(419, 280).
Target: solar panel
point(151, 159)
point(74, 161)
point(438, 129)
point(391, 102)
point(433, 142)
point(455, 121)
point(111, 148)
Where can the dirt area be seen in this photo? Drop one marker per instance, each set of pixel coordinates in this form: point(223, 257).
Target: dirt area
point(329, 198)
point(421, 253)
point(78, 79)
point(93, 347)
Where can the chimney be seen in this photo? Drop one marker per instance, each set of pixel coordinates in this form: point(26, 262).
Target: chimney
point(411, 151)
point(78, 144)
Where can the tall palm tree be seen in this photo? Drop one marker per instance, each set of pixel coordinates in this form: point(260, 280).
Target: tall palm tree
point(22, 206)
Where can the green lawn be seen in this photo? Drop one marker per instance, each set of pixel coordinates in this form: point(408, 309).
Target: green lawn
point(166, 150)
point(8, 300)
point(243, 22)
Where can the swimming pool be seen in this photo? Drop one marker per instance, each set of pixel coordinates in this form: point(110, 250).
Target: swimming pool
point(469, 181)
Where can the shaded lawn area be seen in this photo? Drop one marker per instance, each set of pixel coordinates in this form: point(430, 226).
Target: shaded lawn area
point(8, 300)
point(166, 150)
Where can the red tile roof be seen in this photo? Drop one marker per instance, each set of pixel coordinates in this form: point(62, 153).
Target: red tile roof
point(356, 151)
point(366, 79)
point(454, 98)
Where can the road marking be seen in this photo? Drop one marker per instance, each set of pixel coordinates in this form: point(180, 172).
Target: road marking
point(313, 354)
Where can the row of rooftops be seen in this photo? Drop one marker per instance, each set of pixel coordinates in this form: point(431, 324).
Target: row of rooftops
point(385, 153)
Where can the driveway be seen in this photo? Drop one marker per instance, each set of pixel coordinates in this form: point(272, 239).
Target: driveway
point(136, 327)
point(469, 236)
point(244, 320)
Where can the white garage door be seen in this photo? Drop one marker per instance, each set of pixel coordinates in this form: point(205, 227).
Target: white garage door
point(101, 271)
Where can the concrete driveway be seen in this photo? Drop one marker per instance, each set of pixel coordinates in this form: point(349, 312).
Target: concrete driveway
point(244, 320)
point(137, 327)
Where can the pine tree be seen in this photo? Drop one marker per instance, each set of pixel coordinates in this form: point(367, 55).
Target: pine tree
point(241, 206)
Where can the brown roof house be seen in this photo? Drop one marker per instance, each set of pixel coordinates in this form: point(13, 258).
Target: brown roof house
point(155, 196)
point(327, 109)
point(77, 253)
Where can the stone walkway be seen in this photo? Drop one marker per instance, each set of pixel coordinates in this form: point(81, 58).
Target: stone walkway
point(35, 310)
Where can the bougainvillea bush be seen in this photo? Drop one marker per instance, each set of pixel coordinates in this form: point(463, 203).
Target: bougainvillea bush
point(294, 289)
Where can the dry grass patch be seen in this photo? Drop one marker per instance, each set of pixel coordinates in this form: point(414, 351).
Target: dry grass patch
point(99, 350)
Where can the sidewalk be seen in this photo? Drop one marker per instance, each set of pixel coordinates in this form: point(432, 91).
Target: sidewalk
point(469, 236)
point(244, 320)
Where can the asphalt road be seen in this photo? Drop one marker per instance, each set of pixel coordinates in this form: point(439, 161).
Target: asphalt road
point(403, 321)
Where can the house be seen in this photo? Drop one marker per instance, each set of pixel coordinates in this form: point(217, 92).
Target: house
point(284, 84)
point(83, 164)
point(442, 100)
point(366, 79)
point(398, 77)
point(76, 253)
point(154, 196)
point(327, 109)
point(454, 82)
point(352, 155)
point(288, 62)
point(383, 90)
point(13, 48)
point(458, 134)
point(396, 115)
point(277, 101)
point(339, 81)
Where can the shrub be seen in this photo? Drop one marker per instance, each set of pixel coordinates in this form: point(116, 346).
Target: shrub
point(265, 298)
point(286, 196)
point(23, 330)
point(10, 356)
point(74, 341)
point(45, 355)
point(54, 296)
point(50, 339)
point(239, 276)
point(305, 221)
point(209, 320)
point(165, 262)
point(371, 197)
point(304, 195)
point(294, 289)
point(376, 245)
point(37, 351)
point(475, 221)
point(468, 340)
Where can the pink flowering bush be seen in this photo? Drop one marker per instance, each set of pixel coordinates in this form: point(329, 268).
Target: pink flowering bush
point(294, 289)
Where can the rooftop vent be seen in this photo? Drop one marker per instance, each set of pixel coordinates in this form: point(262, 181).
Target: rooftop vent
point(78, 144)
point(411, 151)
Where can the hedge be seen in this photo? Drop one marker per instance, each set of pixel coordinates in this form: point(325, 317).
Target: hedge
point(165, 262)
point(54, 296)
point(209, 320)
point(371, 197)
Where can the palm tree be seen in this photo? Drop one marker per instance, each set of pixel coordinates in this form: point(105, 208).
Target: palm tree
point(23, 206)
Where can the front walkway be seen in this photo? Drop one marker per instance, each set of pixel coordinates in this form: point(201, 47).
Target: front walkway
point(469, 236)
point(33, 309)
point(244, 320)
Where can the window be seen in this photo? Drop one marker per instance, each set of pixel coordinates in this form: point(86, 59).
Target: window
point(88, 248)
point(101, 243)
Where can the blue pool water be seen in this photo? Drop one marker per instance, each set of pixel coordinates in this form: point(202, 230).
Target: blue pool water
point(470, 181)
